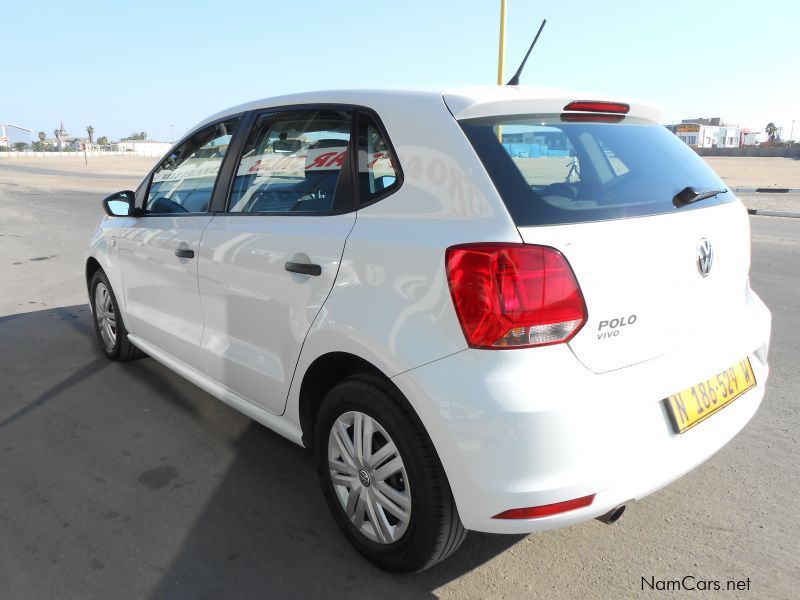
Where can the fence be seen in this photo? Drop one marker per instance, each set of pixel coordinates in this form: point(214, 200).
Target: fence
point(792, 151)
point(79, 154)
point(533, 150)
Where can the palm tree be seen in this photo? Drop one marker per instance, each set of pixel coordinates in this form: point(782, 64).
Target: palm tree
point(42, 136)
point(90, 131)
point(772, 131)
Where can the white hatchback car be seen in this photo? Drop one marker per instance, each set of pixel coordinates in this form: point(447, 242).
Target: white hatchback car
point(504, 309)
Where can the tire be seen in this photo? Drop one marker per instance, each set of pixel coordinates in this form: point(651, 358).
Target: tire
point(108, 324)
point(424, 528)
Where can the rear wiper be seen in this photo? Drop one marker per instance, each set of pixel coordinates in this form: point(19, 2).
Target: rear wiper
point(689, 195)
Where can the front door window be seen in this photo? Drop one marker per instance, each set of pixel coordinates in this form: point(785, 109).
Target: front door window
point(184, 181)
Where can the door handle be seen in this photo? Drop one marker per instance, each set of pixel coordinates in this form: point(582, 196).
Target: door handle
point(303, 268)
point(184, 253)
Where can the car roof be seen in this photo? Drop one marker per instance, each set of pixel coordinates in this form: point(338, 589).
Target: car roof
point(463, 103)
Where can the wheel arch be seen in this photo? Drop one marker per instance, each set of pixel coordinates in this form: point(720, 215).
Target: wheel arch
point(100, 258)
point(92, 267)
point(322, 374)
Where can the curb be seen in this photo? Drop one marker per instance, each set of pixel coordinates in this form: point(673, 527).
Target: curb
point(772, 213)
point(767, 190)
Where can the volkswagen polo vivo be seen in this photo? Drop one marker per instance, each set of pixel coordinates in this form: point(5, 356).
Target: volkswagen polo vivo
point(502, 309)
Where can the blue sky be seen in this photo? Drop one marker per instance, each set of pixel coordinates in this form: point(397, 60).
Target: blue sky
point(142, 65)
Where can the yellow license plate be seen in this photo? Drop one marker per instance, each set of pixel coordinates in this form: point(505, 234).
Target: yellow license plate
point(692, 405)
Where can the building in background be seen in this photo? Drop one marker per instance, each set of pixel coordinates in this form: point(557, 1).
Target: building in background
point(141, 146)
point(11, 134)
point(712, 133)
point(748, 137)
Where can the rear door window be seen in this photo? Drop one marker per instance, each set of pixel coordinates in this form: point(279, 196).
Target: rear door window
point(551, 172)
point(292, 163)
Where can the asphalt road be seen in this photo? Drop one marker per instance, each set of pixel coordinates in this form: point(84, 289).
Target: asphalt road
point(788, 203)
point(125, 481)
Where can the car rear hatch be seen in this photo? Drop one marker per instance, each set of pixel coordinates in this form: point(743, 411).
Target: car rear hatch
point(613, 192)
point(640, 277)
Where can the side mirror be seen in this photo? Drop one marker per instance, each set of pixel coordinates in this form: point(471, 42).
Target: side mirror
point(120, 204)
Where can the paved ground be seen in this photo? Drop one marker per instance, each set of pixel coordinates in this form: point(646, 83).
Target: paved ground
point(789, 203)
point(49, 209)
point(124, 481)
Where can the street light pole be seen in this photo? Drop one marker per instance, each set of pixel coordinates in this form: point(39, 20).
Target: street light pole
point(171, 134)
point(791, 135)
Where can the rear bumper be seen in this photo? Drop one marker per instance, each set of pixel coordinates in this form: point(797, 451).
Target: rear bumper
point(526, 428)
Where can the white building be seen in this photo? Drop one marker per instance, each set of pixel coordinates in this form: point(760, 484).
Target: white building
point(708, 133)
point(11, 134)
point(142, 147)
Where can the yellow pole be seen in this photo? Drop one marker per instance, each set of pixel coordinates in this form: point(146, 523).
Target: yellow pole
point(501, 56)
point(501, 59)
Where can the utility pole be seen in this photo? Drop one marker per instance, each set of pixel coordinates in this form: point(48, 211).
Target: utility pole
point(791, 135)
point(501, 57)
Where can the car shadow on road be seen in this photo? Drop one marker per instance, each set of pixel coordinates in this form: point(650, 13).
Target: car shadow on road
point(259, 526)
point(266, 532)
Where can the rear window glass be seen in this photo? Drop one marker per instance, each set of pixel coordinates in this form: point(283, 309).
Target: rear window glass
point(549, 172)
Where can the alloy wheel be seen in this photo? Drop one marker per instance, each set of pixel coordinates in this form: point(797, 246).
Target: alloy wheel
point(105, 316)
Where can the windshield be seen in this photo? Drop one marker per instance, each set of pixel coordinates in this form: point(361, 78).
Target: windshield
point(550, 172)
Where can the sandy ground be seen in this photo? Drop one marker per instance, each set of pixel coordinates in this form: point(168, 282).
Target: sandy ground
point(103, 173)
point(736, 172)
point(126, 481)
point(50, 206)
point(757, 172)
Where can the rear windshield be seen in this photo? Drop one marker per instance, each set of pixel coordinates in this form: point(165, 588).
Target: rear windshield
point(549, 172)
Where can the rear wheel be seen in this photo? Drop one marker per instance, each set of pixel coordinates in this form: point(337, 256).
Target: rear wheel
point(382, 478)
point(108, 324)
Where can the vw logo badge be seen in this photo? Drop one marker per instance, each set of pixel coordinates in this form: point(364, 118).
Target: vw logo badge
point(363, 476)
point(705, 257)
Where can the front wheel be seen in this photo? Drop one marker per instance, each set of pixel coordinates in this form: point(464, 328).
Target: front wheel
point(382, 478)
point(108, 324)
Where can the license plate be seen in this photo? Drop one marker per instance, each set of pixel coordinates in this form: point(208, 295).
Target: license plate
point(695, 404)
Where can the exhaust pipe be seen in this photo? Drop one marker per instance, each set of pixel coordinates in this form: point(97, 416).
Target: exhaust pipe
point(612, 516)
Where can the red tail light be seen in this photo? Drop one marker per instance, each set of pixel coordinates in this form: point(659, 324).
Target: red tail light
point(598, 106)
point(535, 512)
point(514, 295)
